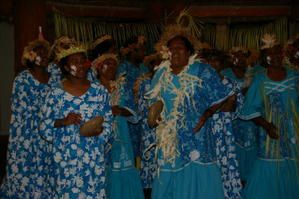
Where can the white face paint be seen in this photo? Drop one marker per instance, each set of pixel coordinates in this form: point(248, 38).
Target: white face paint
point(169, 54)
point(73, 70)
point(105, 66)
point(38, 60)
point(268, 60)
point(236, 61)
point(296, 56)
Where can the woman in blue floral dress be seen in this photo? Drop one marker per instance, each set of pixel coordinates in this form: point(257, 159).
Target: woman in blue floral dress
point(27, 153)
point(245, 131)
point(187, 167)
point(122, 176)
point(222, 128)
point(272, 102)
point(78, 161)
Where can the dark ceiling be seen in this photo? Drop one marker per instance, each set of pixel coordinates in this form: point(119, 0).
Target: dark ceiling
point(165, 2)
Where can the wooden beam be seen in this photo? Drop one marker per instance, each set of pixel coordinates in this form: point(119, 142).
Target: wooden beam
point(239, 11)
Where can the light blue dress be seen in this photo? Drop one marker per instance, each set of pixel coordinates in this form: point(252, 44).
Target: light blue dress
point(123, 180)
point(275, 173)
point(131, 73)
point(246, 132)
point(187, 165)
point(78, 163)
point(27, 156)
point(148, 138)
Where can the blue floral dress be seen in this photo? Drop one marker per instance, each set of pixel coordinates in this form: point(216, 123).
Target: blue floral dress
point(148, 139)
point(246, 134)
point(27, 156)
point(122, 176)
point(221, 126)
point(55, 71)
point(187, 167)
point(131, 73)
point(78, 163)
point(275, 174)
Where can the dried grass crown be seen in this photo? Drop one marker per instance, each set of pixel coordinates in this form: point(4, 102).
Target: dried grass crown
point(72, 49)
point(100, 40)
point(61, 42)
point(28, 54)
point(104, 57)
point(173, 31)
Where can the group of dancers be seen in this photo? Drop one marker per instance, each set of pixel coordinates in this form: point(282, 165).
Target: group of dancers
point(185, 122)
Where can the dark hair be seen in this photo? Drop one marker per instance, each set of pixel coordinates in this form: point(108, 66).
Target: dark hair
point(296, 42)
point(264, 54)
point(131, 40)
point(61, 65)
point(187, 43)
point(218, 55)
point(100, 49)
point(29, 64)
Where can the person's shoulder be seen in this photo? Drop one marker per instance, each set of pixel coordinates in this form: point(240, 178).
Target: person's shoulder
point(24, 78)
point(226, 72)
point(25, 74)
point(260, 76)
point(197, 67)
point(56, 89)
point(97, 88)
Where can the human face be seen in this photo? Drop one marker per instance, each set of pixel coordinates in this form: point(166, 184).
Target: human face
point(274, 57)
point(294, 57)
point(108, 69)
point(179, 53)
point(75, 65)
point(42, 56)
point(215, 64)
point(240, 60)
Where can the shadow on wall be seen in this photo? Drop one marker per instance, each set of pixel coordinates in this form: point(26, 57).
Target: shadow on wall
point(7, 58)
point(3, 149)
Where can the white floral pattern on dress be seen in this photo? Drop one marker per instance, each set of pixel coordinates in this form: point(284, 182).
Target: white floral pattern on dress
point(78, 163)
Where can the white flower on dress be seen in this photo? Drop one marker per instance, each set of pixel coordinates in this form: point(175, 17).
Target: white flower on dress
point(25, 181)
point(75, 190)
point(92, 164)
point(80, 152)
point(194, 155)
point(74, 146)
point(26, 144)
point(40, 181)
point(98, 170)
point(86, 158)
point(66, 196)
point(63, 164)
point(14, 168)
point(57, 157)
point(79, 181)
point(77, 101)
